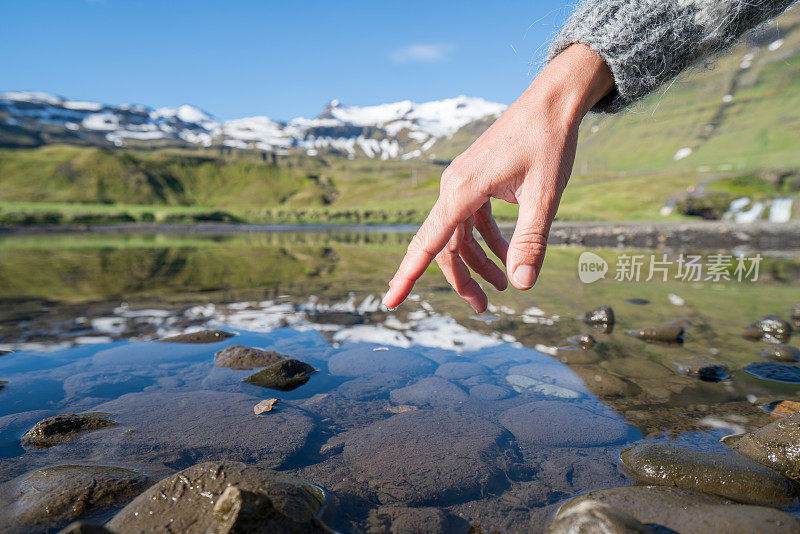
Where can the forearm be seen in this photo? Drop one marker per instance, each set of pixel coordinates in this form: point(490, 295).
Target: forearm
point(648, 42)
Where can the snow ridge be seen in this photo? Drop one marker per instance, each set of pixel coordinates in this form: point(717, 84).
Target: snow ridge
point(399, 130)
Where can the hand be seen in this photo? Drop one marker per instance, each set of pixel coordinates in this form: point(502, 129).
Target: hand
point(525, 158)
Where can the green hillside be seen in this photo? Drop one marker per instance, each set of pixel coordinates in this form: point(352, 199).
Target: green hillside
point(739, 117)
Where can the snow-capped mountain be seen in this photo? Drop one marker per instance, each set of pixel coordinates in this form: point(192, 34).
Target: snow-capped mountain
point(400, 130)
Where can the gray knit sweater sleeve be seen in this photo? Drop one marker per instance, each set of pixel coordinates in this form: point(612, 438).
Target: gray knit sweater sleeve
point(648, 42)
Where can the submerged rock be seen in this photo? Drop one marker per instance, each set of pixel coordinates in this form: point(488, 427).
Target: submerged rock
point(776, 445)
point(739, 479)
point(371, 387)
point(432, 390)
point(84, 527)
point(461, 370)
point(404, 520)
point(343, 318)
point(50, 498)
point(601, 318)
point(687, 512)
point(246, 358)
point(181, 428)
point(361, 360)
point(781, 353)
point(488, 392)
point(521, 383)
point(659, 334)
point(562, 424)
point(706, 373)
point(59, 428)
point(283, 376)
point(777, 372)
point(426, 456)
point(203, 336)
point(782, 408)
point(590, 517)
point(584, 341)
point(224, 497)
point(769, 328)
point(637, 301)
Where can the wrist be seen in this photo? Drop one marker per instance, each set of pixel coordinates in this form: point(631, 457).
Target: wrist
point(572, 83)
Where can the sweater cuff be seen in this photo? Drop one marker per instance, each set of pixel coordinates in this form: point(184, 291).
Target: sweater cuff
point(644, 43)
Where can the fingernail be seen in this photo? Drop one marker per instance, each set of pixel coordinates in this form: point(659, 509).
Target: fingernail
point(525, 276)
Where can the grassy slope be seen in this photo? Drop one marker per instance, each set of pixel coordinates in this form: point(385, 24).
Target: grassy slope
point(624, 168)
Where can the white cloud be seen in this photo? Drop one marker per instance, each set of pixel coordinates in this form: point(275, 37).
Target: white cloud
point(422, 53)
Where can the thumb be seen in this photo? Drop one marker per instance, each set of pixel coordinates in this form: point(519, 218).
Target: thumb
point(538, 202)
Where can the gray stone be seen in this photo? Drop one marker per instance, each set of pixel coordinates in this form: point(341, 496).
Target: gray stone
point(775, 445)
point(224, 497)
point(405, 520)
point(688, 512)
point(781, 353)
point(50, 498)
point(180, 429)
point(361, 360)
point(659, 334)
point(371, 387)
point(557, 423)
point(203, 336)
point(59, 428)
point(591, 517)
point(736, 478)
point(433, 390)
point(424, 456)
point(246, 358)
point(488, 392)
point(460, 370)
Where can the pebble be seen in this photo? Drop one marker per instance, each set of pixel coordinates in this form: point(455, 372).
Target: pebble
point(774, 445)
point(246, 358)
point(659, 334)
point(781, 353)
point(203, 336)
point(777, 372)
point(285, 375)
point(688, 512)
point(601, 318)
point(265, 406)
point(60, 428)
point(736, 478)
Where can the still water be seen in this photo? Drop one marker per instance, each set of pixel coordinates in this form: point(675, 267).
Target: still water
point(492, 420)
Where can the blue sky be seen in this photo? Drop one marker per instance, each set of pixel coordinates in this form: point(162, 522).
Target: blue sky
point(282, 59)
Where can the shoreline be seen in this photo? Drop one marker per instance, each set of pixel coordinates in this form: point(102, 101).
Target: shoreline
point(708, 235)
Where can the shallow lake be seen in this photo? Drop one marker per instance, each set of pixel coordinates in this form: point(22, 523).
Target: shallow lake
point(493, 419)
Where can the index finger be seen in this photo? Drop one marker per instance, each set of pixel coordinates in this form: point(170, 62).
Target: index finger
point(429, 240)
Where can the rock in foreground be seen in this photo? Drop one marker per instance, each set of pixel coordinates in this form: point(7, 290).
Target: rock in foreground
point(60, 428)
point(283, 376)
point(739, 479)
point(688, 512)
point(245, 358)
point(203, 336)
point(590, 517)
point(776, 445)
point(224, 497)
point(52, 497)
